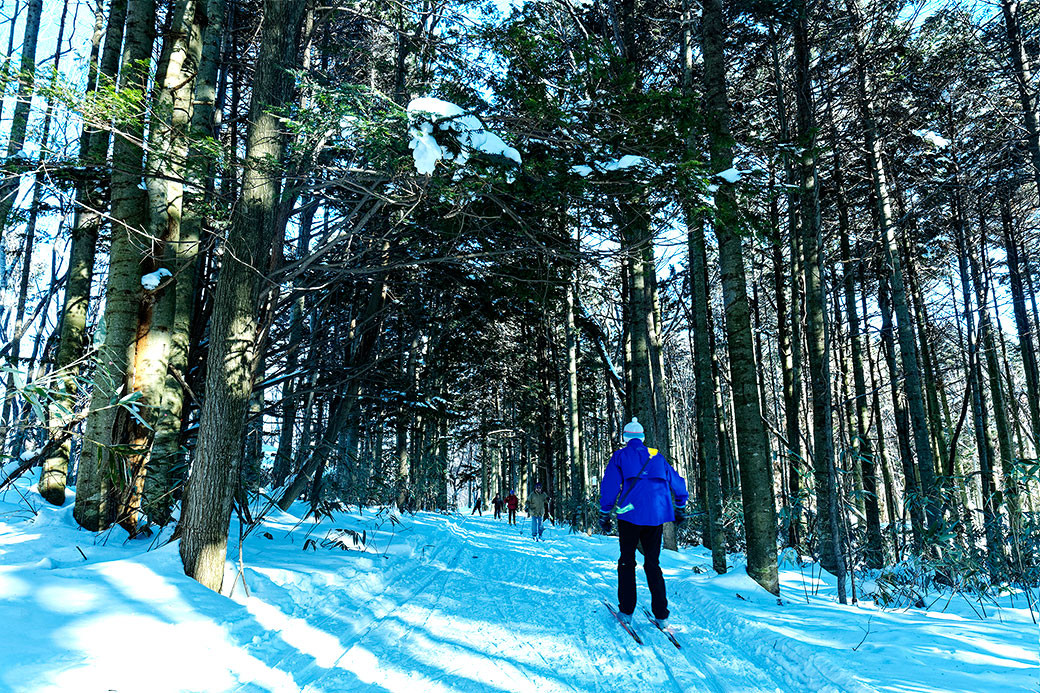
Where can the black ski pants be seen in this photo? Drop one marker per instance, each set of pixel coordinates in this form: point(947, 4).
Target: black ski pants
point(630, 535)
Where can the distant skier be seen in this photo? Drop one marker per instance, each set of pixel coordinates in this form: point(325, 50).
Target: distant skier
point(512, 503)
point(498, 503)
point(648, 492)
point(478, 507)
point(537, 505)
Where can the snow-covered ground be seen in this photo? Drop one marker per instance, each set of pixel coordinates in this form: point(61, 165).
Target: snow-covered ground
point(452, 603)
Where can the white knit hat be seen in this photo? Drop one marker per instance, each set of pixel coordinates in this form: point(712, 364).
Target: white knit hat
point(633, 430)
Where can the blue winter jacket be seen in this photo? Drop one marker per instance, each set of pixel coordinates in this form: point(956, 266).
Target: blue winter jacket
point(650, 495)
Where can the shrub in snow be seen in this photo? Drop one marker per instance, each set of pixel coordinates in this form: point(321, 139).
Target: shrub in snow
point(428, 116)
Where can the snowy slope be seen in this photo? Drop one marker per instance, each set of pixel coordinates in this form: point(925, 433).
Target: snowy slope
point(451, 603)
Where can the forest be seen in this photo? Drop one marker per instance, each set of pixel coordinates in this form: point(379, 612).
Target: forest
point(402, 256)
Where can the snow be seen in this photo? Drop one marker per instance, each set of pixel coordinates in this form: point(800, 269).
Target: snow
point(730, 175)
point(628, 161)
point(425, 113)
point(152, 280)
point(425, 151)
point(454, 603)
point(933, 138)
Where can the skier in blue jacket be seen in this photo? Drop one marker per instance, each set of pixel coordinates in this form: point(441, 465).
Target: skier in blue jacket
point(647, 492)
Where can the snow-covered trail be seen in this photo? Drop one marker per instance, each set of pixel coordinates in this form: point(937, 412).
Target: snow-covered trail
point(488, 609)
point(454, 603)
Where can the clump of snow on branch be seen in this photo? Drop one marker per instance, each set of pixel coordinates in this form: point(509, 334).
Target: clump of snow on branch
point(731, 175)
point(428, 115)
point(628, 161)
point(152, 280)
point(933, 138)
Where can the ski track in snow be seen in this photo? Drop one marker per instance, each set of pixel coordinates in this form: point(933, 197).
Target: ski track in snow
point(544, 597)
point(450, 604)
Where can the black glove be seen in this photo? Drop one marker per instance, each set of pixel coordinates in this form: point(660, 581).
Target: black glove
point(680, 515)
point(605, 523)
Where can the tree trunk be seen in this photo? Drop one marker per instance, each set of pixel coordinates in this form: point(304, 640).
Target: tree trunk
point(578, 474)
point(86, 222)
point(165, 169)
point(984, 444)
point(1000, 408)
point(911, 488)
point(1023, 78)
point(756, 473)
point(176, 307)
point(28, 243)
point(107, 424)
point(706, 412)
point(1025, 330)
point(290, 400)
point(886, 474)
point(921, 319)
point(9, 189)
point(905, 331)
point(23, 100)
point(862, 449)
point(705, 407)
point(816, 328)
point(234, 328)
point(789, 317)
point(635, 239)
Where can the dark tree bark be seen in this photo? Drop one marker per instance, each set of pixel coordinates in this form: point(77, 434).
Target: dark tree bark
point(234, 329)
point(905, 330)
point(1024, 329)
point(789, 318)
point(756, 473)
point(707, 424)
point(1022, 76)
point(93, 147)
point(816, 328)
point(984, 444)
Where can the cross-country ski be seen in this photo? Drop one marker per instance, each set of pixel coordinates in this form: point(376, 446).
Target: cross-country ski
point(657, 624)
point(626, 624)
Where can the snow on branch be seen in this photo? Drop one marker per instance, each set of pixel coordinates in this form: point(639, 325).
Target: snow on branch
point(428, 116)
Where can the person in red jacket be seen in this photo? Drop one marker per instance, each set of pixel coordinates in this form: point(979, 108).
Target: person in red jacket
point(512, 503)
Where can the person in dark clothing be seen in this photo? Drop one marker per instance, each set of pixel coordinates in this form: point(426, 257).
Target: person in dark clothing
point(512, 503)
point(498, 503)
point(648, 492)
point(478, 507)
